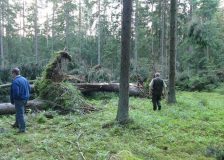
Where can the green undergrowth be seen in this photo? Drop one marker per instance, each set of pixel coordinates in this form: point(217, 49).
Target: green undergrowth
point(220, 89)
point(64, 94)
point(192, 129)
point(53, 88)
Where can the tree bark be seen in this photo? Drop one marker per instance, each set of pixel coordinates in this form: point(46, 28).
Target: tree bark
point(35, 36)
point(134, 90)
point(99, 38)
point(80, 25)
point(1, 36)
point(163, 38)
point(8, 108)
point(38, 105)
point(47, 26)
point(136, 38)
point(23, 18)
point(173, 9)
point(67, 26)
point(152, 55)
point(123, 105)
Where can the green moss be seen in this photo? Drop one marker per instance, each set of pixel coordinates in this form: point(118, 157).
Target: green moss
point(54, 68)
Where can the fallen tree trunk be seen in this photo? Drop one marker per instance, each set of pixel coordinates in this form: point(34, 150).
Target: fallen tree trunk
point(8, 108)
point(7, 85)
point(38, 105)
point(134, 90)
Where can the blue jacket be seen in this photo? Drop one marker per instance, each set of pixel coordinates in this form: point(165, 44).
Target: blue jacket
point(20, 89)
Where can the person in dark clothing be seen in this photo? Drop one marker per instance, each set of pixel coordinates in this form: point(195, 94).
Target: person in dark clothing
point(19, 95)
point(157, 88)
point(140, 82)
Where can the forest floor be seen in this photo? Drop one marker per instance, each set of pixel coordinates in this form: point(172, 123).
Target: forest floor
point(192, 129)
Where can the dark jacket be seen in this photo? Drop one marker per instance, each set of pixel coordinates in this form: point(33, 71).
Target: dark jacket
point(20, 89)
point(157, 87)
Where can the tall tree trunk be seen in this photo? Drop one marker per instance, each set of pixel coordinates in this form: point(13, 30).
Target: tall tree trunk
point(20, 24)
point(66, 27)
point(7, 31)
point(190, 10)
point(80, 25)
point(1, 36)
point(162, 37)
point(35, 30)
point(165, 41)
point(23, 18)
point(99, 28)
point(136, 38)
point(207, 53)
point(47, 30)
point(190, 47)
point(52, 27)
point(122, 112)
point(173, 10)
point(47, 26)
point(152, 45)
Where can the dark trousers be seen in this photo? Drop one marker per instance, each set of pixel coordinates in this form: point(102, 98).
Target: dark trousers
point(20, 111)
point(156, 102)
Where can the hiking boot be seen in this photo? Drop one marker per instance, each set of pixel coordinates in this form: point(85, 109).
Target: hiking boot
point(15, 125)
point(21, 132)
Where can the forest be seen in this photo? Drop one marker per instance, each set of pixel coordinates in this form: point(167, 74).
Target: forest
point(90, 64)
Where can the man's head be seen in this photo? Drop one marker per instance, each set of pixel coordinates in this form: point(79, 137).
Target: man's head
point(15, 72)
point(157, 74)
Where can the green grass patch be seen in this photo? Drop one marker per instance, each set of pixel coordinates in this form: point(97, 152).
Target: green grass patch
point(220, 89)
point(191, 129)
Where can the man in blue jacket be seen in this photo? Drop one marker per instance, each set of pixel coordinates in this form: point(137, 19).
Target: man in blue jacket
point(19, 95)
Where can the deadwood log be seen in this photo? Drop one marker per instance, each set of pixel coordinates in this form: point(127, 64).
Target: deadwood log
point(134, 90)
point(8, 108)
point(7, 85)
point(37, 104)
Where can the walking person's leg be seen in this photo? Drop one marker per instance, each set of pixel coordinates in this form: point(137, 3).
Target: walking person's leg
point(159, 105)
point(16, 125)
point(158, 102)
point(20, 111)
point(154, 102)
